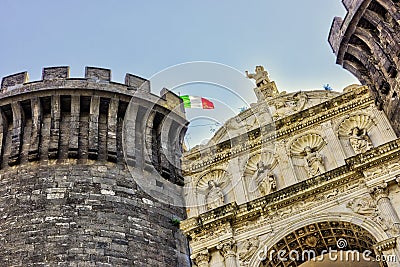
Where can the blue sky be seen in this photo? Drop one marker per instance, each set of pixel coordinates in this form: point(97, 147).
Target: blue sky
point(144, 37)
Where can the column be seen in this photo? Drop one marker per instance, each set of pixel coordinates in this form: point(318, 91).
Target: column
point(238, 182)
point(381, 195)
point(285, 164)
point(334, 144)
point(201, 259)
point(228, 251)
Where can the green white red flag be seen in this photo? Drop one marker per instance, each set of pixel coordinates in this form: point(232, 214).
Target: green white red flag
point(196, 102)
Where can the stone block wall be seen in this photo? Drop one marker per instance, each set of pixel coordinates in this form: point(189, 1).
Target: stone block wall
point(67, 196)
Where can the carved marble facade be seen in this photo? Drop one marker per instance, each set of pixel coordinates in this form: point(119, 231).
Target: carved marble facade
point(328, 162)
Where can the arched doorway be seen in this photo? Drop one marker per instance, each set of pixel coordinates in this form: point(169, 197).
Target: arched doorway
point(328, 243)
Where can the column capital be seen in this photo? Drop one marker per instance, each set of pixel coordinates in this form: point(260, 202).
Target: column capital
point(201, 258)
point(380, 191)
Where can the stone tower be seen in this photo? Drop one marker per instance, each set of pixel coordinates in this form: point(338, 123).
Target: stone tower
point(67, 197)
point(366, 43)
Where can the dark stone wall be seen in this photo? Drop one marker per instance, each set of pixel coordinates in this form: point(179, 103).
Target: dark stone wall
point(67, 197)
point(367, 43)
point(84, 215)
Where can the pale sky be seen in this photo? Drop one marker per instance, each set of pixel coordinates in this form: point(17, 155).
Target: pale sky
point(144, 37)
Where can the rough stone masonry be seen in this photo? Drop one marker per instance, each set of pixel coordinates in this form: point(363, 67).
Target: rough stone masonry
point(67, 197)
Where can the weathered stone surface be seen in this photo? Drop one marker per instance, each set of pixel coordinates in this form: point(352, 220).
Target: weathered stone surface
point(67, 197)
point(367, 43)
point(14, 80)
point(98, 74)
point(55, 73)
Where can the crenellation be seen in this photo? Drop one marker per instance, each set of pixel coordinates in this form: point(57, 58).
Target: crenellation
point(63, 169)
point(350, 4)
point(53, 73)
point(334, 35)
point(173, 101)
point(14, 80)
point(136, 82)
point(98, 74)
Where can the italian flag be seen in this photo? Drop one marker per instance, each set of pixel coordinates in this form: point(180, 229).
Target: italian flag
point(196, 102)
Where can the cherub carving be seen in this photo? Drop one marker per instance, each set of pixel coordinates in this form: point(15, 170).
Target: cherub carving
point(261, 76)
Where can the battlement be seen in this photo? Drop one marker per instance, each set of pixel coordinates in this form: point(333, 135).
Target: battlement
point(340, 28)
point(62, 118)
point(92, 74)
point(14, 80)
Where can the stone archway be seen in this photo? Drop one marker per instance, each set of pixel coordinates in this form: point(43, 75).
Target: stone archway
point(315, 240)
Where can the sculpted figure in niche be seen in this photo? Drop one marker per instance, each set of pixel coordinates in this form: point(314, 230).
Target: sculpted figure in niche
point(214, 197)
point(263, 179)
point(261, 76)
point(360, 140)
point(314, 162)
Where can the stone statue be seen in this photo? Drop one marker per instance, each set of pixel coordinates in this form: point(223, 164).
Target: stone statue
point(247, 248)
point(314, 162)
point(263, 179)
point(214, 197)
point(301, 100)
point(360, 140)
point(261, 76)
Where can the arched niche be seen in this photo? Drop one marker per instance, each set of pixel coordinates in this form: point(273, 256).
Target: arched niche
point(269, 162)
point(298, 154)
point(217, 178)
point(367, 128)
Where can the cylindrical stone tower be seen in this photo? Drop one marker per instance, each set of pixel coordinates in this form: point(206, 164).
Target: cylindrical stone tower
point(67, 197)
point(366, 43)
